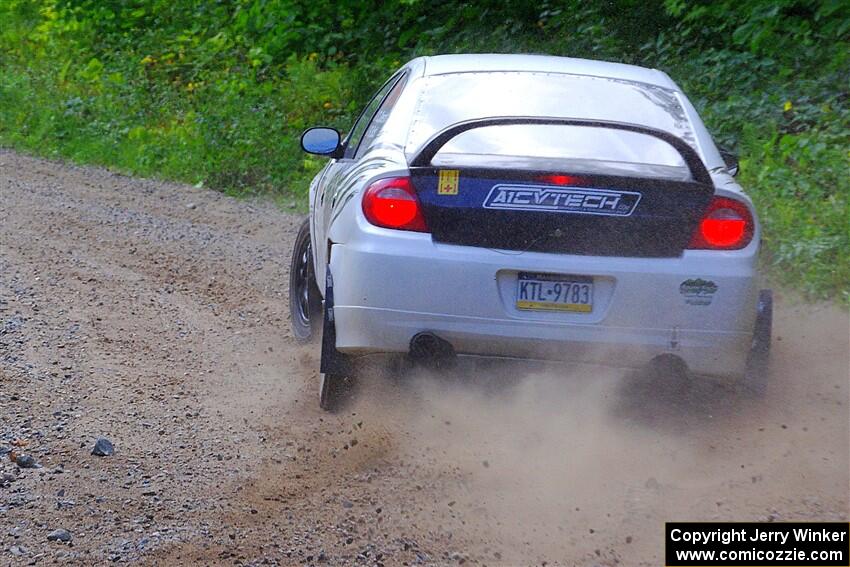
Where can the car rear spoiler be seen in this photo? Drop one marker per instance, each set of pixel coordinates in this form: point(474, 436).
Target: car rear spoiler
point(698, 171)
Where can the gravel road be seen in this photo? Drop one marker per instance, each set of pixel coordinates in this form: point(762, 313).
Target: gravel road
point(155, 315)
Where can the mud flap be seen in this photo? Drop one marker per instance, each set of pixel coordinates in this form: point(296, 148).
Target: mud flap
point(332, 361)
point(756, 374)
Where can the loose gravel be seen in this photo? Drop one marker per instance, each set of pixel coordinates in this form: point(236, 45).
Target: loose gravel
point(155, 409)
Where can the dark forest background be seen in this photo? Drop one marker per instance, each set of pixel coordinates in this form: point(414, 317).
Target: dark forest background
point(217, 92)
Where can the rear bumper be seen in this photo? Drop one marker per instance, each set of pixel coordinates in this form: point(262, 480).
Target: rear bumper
point(389, 286)
point(366, 330)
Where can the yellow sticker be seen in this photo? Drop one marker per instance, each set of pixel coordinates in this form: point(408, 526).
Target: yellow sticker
point(448, 182)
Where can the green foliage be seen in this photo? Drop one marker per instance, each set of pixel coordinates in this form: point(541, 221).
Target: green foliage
point(800, 186)
point(217, 92)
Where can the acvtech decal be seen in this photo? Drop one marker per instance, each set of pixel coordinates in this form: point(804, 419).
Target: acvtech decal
point(577, 200)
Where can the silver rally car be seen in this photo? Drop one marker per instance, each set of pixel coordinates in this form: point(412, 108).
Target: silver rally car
point(533, 207)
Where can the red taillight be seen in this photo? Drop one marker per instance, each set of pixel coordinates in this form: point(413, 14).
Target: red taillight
point(392, 203)
point(726, 225)
point(559, 179)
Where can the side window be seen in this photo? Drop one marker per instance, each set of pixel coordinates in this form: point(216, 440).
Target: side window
point(382, 115)
point(357, 131)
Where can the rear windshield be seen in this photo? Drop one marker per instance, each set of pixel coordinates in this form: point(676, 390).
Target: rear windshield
point(570, 148)
point(448, 99)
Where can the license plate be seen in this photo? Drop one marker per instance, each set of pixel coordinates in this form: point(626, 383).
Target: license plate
point(554, 292)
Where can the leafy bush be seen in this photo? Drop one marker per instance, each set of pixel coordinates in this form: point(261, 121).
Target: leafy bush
point(217, 92)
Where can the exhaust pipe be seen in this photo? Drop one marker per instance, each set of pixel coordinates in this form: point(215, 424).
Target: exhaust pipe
point(429, 349)
point(670, 366)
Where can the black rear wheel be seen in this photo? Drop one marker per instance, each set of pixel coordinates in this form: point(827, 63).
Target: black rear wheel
point(305, 301)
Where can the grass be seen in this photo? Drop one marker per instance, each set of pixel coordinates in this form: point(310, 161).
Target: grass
point(220, 101)
point(241, 142)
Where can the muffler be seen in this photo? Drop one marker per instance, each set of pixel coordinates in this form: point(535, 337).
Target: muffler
point(430, 350)
point(669, 366)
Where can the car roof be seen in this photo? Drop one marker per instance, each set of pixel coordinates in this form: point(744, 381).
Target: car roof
point(493, 62)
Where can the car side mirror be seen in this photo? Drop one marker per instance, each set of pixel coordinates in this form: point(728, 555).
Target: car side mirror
point(731, 161)
point(322, 142)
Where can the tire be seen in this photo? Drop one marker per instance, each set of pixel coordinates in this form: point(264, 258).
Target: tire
point(305, 301)
point(758, 360)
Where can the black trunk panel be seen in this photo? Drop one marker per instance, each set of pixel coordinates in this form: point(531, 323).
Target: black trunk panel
point(590, 215)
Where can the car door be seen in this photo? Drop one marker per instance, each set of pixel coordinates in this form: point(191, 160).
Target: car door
point(333, 178)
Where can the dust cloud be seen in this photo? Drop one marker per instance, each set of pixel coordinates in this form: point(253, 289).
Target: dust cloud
point(558, 461)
